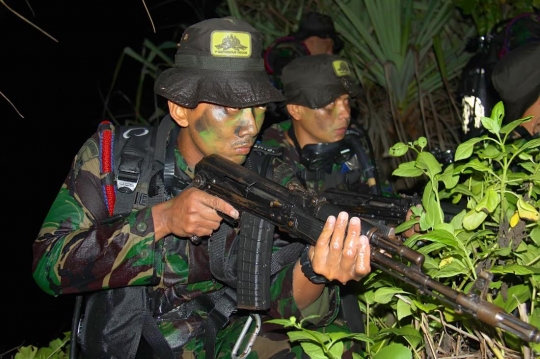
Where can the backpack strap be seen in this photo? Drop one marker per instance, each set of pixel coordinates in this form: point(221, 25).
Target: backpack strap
point(134, 158)
point(131, 155)
point(106, 162)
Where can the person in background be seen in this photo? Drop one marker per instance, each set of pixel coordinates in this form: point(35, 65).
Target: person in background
point(217, 94)
point(516, 77)
point(317, 137)
point(315, 35)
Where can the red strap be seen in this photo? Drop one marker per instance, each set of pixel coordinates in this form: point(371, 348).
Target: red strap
point(106, 140)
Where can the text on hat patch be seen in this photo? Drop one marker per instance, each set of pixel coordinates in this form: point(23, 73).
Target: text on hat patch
point(341, 68)
point(230, 44)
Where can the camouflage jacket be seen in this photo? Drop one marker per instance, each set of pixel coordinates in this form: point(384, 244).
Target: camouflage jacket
point(77, 252)
point(347, 175)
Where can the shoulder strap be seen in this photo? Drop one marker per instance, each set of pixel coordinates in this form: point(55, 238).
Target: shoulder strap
point(135, 158)
point(143, 158)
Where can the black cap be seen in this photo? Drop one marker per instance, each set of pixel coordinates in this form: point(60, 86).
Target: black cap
point(218, 61)
point(316, 24)
point(516, 77)
point(317, 80)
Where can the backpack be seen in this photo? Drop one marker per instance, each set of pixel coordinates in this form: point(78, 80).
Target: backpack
point(119, 323)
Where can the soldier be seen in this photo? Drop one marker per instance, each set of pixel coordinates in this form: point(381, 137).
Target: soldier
point(216, 95)
point(317, 138)
point(315, 35)
point(516, 77)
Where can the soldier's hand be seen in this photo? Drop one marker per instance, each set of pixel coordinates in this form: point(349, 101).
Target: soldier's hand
point(414, 229)
point(341, 252)
point(192, 213)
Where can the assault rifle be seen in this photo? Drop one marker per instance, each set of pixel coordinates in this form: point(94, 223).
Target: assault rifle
point(303, 214)
point(389, 211)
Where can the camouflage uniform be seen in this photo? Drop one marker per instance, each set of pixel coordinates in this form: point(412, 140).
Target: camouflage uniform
point(70, 256)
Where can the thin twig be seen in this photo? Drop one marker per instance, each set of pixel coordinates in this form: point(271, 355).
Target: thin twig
point(26, 20)
point(15, 108)
point(149, 16)
point(461, 331)
point(30, 7)
point(425, 327)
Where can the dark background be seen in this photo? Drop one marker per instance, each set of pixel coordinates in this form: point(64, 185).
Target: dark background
point(58, 88)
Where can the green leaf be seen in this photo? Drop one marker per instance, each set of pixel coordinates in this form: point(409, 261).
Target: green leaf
point(490, 125)
point(403, 309)
point(525, 156)
point(489, 202)
point(411, 334)
point(477, 165)
point(452, 268)
point(535, 235)
point(28, 352)
point(518, 293)
point(406, 225)
point(462, 189)
point(407, 169)
point(283, 322)
point(422, 142)
point(425, 307)
point(448, 177)
point(309, 335)
point(465, 149)
point(394, 351)
point(497, 113)
point(314, 351)
point(515, 269)
point(336, 336)
point(508, 128)
point(427, 162)
point(369, 297)
point(398, 150)
point(489, 152)
point(534, 143)
point(473, 219)
point(433, 212)
point(441, 236)
point(386, 294)
point(337, 349)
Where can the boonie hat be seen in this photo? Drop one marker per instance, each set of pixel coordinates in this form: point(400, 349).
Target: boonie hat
point(317, 80)
point(316, 24)
point(516, 77)
point(218, 61)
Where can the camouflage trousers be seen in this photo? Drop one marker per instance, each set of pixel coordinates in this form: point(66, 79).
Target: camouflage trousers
point(271, 343)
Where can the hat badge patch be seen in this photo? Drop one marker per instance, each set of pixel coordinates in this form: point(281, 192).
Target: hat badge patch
point(230, 44)
point(341, 68)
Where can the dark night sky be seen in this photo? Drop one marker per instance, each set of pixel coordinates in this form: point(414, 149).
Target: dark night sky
point(56, 87)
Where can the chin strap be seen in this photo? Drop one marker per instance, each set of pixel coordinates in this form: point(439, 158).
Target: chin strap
point(292, 135)
point(321, 155)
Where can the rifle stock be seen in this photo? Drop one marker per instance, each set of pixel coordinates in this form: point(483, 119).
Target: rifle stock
point(303, 214)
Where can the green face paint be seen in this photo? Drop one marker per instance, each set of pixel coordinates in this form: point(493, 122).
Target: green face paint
point(327, 124)
point(227, 131)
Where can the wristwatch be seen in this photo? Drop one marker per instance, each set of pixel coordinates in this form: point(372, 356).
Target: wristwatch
point(307, 269)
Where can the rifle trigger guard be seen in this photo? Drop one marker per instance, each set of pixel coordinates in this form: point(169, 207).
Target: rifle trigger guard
point(251, 341)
